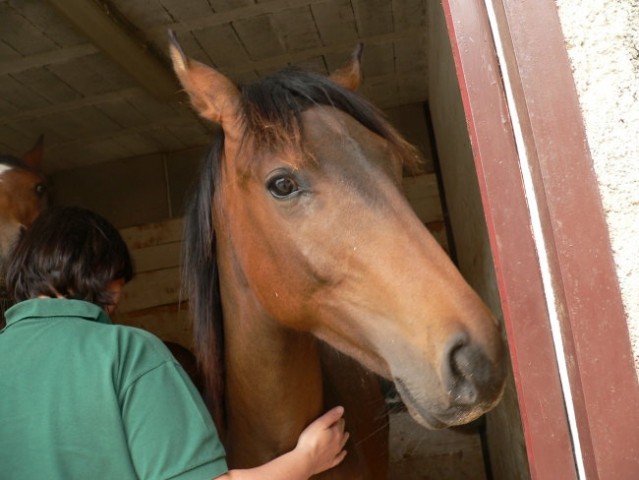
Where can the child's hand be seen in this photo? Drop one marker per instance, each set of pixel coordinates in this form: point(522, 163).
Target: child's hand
point(323, 441)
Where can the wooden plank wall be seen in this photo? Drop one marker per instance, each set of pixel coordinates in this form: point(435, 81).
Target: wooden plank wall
point(153, 300)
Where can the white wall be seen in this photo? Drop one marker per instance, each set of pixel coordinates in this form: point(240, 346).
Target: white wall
point(602, 39)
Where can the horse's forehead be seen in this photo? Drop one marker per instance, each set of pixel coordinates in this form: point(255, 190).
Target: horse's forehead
point(327, 129)
point(327, 136)
point(327, 121)
point(332, 133)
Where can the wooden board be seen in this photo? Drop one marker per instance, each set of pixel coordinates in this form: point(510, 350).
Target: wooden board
point(420, 454)
point(422, 193)
point(168, 322)
point(151, 300)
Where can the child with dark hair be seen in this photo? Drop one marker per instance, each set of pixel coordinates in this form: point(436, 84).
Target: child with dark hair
point(83, 398)
point(73, 253)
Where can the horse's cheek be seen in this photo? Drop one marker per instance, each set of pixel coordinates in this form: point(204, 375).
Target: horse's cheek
point(280, 292)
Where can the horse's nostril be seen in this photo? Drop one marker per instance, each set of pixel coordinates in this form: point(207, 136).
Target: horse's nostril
point(464, 389)
point(466, 372)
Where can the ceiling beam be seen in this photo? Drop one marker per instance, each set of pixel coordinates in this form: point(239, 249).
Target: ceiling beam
point(70, 106)
point(110, 35)
point(240, 13)
point(280, 61)
point(52, 57)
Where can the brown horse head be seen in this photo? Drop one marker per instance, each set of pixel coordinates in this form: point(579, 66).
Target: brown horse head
point(301, 212)
point(22, 194)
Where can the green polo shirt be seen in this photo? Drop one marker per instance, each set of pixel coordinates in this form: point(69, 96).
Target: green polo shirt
point(81, 398)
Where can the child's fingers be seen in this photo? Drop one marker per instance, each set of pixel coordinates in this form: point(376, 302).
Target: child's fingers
point(339, 426)
point(338, 458)
point(344, 440)
point(330, 417)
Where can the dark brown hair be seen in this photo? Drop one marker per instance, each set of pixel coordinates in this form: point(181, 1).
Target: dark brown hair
point(68, 251)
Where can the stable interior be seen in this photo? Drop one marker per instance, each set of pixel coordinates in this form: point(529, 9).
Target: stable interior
point(144, 196)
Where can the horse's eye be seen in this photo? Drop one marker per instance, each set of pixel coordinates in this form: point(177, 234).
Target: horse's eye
point(40, 189)
point(282, 186)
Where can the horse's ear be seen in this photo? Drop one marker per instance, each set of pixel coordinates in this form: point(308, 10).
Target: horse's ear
point(349, 75)
point(33, 157)
point(212, 95)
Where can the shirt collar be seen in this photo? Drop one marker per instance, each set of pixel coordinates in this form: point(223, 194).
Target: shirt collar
point(55, 307)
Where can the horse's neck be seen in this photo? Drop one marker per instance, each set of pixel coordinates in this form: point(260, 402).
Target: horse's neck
point(273, 380)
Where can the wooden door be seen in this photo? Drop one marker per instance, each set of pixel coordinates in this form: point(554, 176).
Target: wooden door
point(568, 337)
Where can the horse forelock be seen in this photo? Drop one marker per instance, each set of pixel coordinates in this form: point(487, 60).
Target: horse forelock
point(273, 107)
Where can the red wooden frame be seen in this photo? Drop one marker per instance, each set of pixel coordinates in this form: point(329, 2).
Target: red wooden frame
point(605, 391)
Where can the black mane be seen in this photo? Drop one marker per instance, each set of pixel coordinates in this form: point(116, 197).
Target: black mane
point(273, 108)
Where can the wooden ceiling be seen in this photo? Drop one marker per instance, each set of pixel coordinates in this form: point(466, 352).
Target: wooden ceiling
point(93, 76)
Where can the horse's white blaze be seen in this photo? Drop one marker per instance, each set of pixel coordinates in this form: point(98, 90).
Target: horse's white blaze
point(3, 169)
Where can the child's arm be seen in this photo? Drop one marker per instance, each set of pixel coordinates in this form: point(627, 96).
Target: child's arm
point(320, 447)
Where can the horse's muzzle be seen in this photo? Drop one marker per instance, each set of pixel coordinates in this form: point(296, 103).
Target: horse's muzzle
point(469, 376)
point(470, 382)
